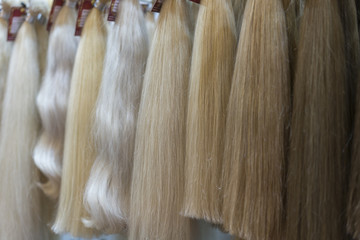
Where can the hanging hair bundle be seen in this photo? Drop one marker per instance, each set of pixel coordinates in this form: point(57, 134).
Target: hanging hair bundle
point(20, 203)
point(52, 99)
point(210, 83)
point(158, 173)
point(5, 49)
point(79, 150)
point(257, 125)
point(107, 195)
point(316, 179)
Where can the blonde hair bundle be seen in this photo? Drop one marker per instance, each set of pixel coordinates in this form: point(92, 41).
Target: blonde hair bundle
point(52, 99)
point(79, 151)
point(210, 83)
point(316, 179)
point(158, 172)
point(257, 125)
point(20, 199)
point(107, 194)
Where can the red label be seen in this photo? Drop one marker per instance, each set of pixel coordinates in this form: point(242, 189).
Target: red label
point(55, 9)
point(84, 10)
point(157, 6)
point(113, 10)
point(196, 1)
point(17, 17)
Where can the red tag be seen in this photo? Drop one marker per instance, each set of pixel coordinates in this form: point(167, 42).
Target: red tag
point(55, 9)
point(113, 10)
point(157, 6)
point(196, 1)
point(17, 17)
point(84, 10)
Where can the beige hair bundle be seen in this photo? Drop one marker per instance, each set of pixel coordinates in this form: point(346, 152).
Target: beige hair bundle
point(316, 179)
point(52, 99)
point(212, 67)
point(20, 199)
point(257, 125)
point(79, 151)
point(107, 195)
point(158, 172)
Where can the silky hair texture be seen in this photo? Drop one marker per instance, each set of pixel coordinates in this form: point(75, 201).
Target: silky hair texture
point(79, 150)
point(5, 50)
point(316, 179)
point(20, 199)
point(158, 173)
point(52, 99)
point(107, 195)
point(212, 68)
point(257, 125)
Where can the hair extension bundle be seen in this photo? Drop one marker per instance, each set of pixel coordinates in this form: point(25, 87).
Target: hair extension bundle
point(316, 179)
point(107, 195)
point(239, 7)
point(257, 125)
point(212, 68)
point(158, 173)
point(79, 151)
point(5, 49)
point(20, 203)
point(52, 99)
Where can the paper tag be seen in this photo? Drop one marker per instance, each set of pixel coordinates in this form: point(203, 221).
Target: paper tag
point(55, 9)
point(113, 10)
point(17, 17)
point(196, 1)
point(157, 6)
point(84, 11)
